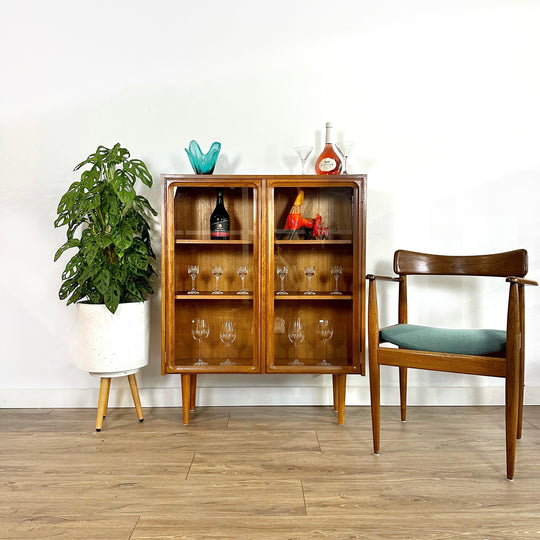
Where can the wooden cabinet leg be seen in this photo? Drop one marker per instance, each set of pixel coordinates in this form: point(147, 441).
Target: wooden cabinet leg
point(335, 391)
point(135, 393)
point(186, 397)
point(341, 384)
point(193, 392)
point(104, 387)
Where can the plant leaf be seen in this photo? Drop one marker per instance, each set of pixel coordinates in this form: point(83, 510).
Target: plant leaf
point(73, 242)
point(123, 187)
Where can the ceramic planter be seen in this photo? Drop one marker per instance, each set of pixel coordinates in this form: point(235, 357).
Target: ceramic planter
point(113, 345)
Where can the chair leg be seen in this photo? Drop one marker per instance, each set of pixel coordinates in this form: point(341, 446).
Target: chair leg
point(104, 388)
point(135, 393)
point(375, 392)
point(193, 392)
point(403, 392)
point(186, 397)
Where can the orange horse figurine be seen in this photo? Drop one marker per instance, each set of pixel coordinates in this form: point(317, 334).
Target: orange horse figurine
point(295, 221)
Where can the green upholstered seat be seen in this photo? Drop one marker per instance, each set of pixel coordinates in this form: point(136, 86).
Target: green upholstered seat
point(444, 340)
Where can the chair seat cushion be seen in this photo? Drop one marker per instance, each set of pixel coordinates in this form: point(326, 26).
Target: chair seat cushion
point(444, 340)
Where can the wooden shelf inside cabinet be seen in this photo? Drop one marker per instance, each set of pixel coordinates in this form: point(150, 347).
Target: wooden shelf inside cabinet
point(258, 207)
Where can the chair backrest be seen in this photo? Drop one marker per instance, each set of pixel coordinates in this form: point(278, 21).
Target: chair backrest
point(510, 263)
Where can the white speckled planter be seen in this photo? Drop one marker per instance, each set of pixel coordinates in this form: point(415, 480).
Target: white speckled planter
point(113, 345)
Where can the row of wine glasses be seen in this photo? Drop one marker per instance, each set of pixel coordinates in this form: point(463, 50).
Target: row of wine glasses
point(305, 151)
point(296, 334)
point(217, 271)
point(200, 330)
point(309, 271)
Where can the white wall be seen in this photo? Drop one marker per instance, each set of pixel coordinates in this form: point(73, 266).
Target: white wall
point(441, 97)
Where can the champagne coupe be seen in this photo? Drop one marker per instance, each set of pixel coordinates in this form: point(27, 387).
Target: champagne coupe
point(325, 332)
point(336, 271)
point(296, 335)
point(227, 334)
point(345, 149)
point(310, 272)
point(282, 271)
point(200, 331)
point(217, 271)
point(242, 272)
point(303, 153)
point(193, 270)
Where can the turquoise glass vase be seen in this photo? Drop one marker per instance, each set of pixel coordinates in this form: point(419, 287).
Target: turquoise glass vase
point(203, 163)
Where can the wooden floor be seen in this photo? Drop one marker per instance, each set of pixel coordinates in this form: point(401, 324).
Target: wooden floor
point(266, 472)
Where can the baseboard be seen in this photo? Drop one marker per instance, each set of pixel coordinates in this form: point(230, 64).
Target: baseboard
point(261, 395)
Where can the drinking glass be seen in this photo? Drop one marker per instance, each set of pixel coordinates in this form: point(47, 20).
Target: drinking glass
point(303, 153)
point(296, 335)
point(193, 270)
point(200, 331)
point(325, 332)
point(345, 149)
point(227, 334)
point(217, 271)
point(242, 272)
point(310, 272)
point(336, 271)
point(282, 271)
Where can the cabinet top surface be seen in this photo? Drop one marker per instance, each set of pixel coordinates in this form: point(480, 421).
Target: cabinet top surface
point(297, 179)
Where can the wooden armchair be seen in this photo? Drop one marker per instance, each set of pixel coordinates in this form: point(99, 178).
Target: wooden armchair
point(497, 353)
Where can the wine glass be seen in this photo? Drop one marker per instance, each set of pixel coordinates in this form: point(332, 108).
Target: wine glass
point(193, 271)
point(336, 271)
point(310, 272)
point(242, 272)
point(217, 271)
point(227, 334)
point(325, 332)
point(282, 271)
point(303, 153)
point(200, 331)
point(296, 335)
point(345, 149)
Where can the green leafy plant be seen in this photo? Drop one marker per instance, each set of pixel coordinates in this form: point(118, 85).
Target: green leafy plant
point(112, 262)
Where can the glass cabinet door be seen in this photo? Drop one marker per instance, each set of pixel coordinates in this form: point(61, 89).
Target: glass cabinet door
point(315, 282)
point(213, 320)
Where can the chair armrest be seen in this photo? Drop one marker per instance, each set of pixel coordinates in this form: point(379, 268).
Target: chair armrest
point(520, 281)
point(373, 277)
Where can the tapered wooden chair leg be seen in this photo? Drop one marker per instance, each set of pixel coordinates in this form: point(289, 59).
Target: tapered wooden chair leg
point(135, 393)
point(104, 387)
point(403, 392)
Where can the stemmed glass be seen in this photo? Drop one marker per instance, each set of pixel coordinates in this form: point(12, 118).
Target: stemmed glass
point(193, 270)
point(325, 332)
point(345, 149)
point(296, 335)
point(303, 153)
point(217, 271)
point(200, 331)
point(227, 334)
point(282, 271)
point(242, 272)
point(310, 272)
point(336, 271)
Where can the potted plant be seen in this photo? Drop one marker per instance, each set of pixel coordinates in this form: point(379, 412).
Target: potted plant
point(109, 274)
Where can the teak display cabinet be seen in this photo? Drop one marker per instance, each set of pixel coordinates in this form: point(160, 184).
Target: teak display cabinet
point(258, 207)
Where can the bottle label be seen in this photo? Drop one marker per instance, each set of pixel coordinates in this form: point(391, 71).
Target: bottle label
point(220, 230)
point(327, 164)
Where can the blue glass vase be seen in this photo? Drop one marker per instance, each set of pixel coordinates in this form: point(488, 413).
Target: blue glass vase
point(203, 163)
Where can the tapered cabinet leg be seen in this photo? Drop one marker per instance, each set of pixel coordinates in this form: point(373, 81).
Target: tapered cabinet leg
point(186, 397)
point(135, 393)
point(104, 388)
point(341, 386)
point(193, 392)
point(335, 391)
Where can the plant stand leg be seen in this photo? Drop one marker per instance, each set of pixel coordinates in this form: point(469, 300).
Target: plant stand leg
point(186, 397)
point(135, 393)
point(341, 384)
point(193, 392)
point(104, 387)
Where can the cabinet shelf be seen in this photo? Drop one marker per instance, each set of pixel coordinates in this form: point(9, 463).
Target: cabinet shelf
point(313, 242)
point(208, 242)
point(319, 296)
point(207, 295)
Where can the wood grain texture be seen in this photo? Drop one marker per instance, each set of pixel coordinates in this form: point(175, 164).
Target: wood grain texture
point(266, 473)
